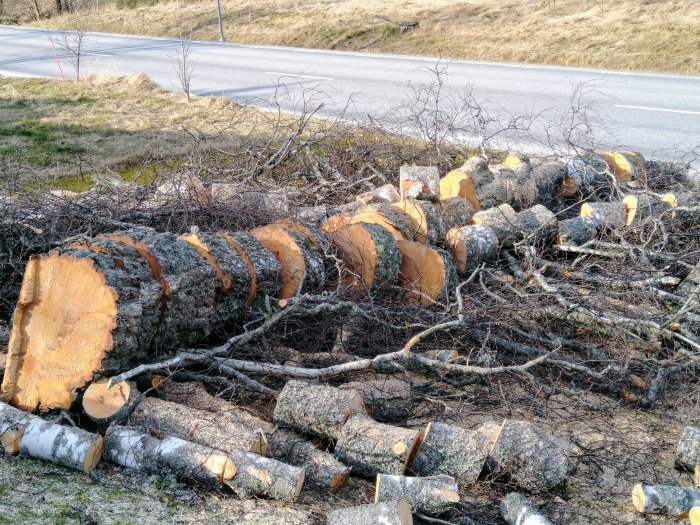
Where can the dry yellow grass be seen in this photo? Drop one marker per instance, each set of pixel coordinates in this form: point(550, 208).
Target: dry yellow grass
point(658, 35)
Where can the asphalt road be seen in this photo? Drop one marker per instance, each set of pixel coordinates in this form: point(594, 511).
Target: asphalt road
point(656, 114)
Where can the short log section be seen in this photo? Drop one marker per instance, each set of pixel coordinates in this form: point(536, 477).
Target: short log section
point(503, 220)
point(417, 181)
point(428, 222)
point(385, 513)
point(104, 404)
point(471, 246)
point(260, 476)
point(431, 495)
point(621, 165)
point(576, 231)
point(428, 274)
point(516, 509)
point(667, 500)
point(537, 224)
point(12, 423)
point(457, 212)
point(606, 215)
point(458, 183)
point(386, 400)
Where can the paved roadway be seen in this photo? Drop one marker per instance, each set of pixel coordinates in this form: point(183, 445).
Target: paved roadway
point(656, 114)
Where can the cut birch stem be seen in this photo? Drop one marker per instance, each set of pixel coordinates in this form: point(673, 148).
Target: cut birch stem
point(385, 513)
point(218, 431)
point(688, 451)
point(260, 476)
point(67, 446)
point(471, 246)
point(503, 220)
point(694, 516)
point(372, 448)
point(429, 495)
point(392, 218)
point(428, 221)
point(451, 450)
point(577, 231)
point(516, 509)
point(12, 423)
point(316, 409)
point(665, 499)
point(105, 405)
point(189, 462)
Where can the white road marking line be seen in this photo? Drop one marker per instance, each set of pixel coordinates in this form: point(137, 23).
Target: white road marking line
point(96, 54)
point(647, 108)
point(276, 73)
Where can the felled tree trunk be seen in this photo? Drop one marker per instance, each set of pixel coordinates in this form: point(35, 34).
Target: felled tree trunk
point(303, 267)
point(455, 451)
point(585, 176)
point(386, 513)
point(110, 405)
point(387, 400)
point(537, 224)
point(428, 274)
point(67, 446)
point(516, 509)
point(472, 245)
point(648, 205)
point(110, 321)
point(533, 459)
point(12, 423)
point(429, 495)
point(429, 224)
point(503, 220)
point(611, 214)
point(219, 431)
point(372, 447)
point(576, 231)
point(369, 254)
point(316, 409)
point(458, 183)
point(457, 212)
point(688, 451)
point(548, 177)
point(622, 165)
point(665, 499)
point(260, 476)
point(189, 462)
point(392, 218)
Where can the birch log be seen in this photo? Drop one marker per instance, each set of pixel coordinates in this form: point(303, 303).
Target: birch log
point(110, 405)
point(260, 476)
point(688, 451)
point(429, 495)
point(471, 246)
point(667, 500)
point(386, 513)
point(537, 224)
point(576, 231)
point(516, 509)
point(12, 423)
point(503, 220)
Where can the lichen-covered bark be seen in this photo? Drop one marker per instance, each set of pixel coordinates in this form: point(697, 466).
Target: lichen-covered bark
point(260, 476)
point(452, 450)
point(503, 220)
point(576, 231)
point(385, 513)
point(316, 409)
point(457, 212)
point(430, 495)
point(688, 451)
point(605, 214)
point(667, 500)
point(516, 509)
point(537, 224)
point(472, 245)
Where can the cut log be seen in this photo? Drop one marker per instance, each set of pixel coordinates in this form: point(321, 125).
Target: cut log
point(548, 177)
point(430, 495)
point(665, 499)
point(472, 245)
point(606, 215)
point(67, 446)
point(458, 183)
point(429, 224)
point(533, 459)
point(576, 231)
point(321, 468)
point(370, 256)
point(585, 176)
point(417, 180)
point(232, 274)
point(691, 283)
point(372, 448)
point(263, 267)
point(694, 516)
point(503, 220)
point(386, 400)
point(688, 451)
point(396, 221)
point(452, 450)
point(260, 476)
point(385, 513)
point(12, 423)
point(110, 405)
point(639, 160)
point(336, 222)
point(537, 224)
point(316, 409)
point(621, 165)
point(303, 268)
point(386, 193)
point(642, 206)
point(514, 161)
point(428, 274)
point(181, 187)
point(457, 212)
point(219, 431)
point(319, 240)
point(516, 509)
point(188, 462)
point(111, 321)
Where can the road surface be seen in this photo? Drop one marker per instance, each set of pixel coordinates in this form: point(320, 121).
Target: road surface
point(656, 114)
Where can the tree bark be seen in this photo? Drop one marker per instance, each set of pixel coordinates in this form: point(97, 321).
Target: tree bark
point(260, 476)
point(516, 509)
point(606, 215)
point(665, 499)
point(503, 220)
point(396, 221)
point(428, 221)
point(387, 513)
point(576, 231)
point(688, 451)
point(388, 400)
point(537, 224)
point(429, 495)
point(457, 211)
point(471, 246)
point(415, 180)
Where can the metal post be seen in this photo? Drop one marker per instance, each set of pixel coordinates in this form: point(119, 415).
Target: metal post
point(221, 25)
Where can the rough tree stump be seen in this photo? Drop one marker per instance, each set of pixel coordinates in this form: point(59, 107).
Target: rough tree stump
point(428, 274)
point(110, 405)
point(665, 499)
point(503, 220)
point(577, 231)
point(430, 495)
point(386, 513)
point(516, 509)
point(372, 448)
point(472, 245)
point(457, 212)
point(429, 224)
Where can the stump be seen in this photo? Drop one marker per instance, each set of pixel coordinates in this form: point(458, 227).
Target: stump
point(188, 462)
point(428, 222)
point(452, 450)
point(533, 459)
point(108, 405)
point(394, 220)
point(665, 499)
point(417, 180)
point(516, 509)
point(430, 495)
point(386, 513)
point(457, 212)
point(372, 448)
point(428, 274)
point(688, 451)
point(621, 165)
point(537, 224)
point(369, 254)
point(260, 476)
point(302, 266)
point(577, 231)
point(472, 245)
point(12, 423)
point(458, 183)
point(503, 220)
point(219, 431)
point(316, 409)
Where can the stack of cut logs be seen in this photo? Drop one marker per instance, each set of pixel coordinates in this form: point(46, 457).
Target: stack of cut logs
point(97, 306)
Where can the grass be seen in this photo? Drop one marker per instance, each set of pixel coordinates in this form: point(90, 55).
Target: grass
point(657, 35)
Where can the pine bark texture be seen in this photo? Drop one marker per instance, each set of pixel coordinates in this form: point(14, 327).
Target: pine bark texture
point(316, 409)
point(537, 224)
point(219, 431)
point(503, 220)
point(471, 246)
point(260, 476)
point(457, 212)
point(188, 462)
point(452, 450)
point(577, 231)
point(688, 451)
point(667, 500)
point(532, 458)
point(385, 513)
point(516, 509)
point(431, 495)
point(12, 423)
point(372, 448)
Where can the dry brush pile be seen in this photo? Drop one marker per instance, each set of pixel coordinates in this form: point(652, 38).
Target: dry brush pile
point(351, 328)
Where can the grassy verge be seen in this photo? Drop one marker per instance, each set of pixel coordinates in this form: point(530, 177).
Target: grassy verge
point(658, 35)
